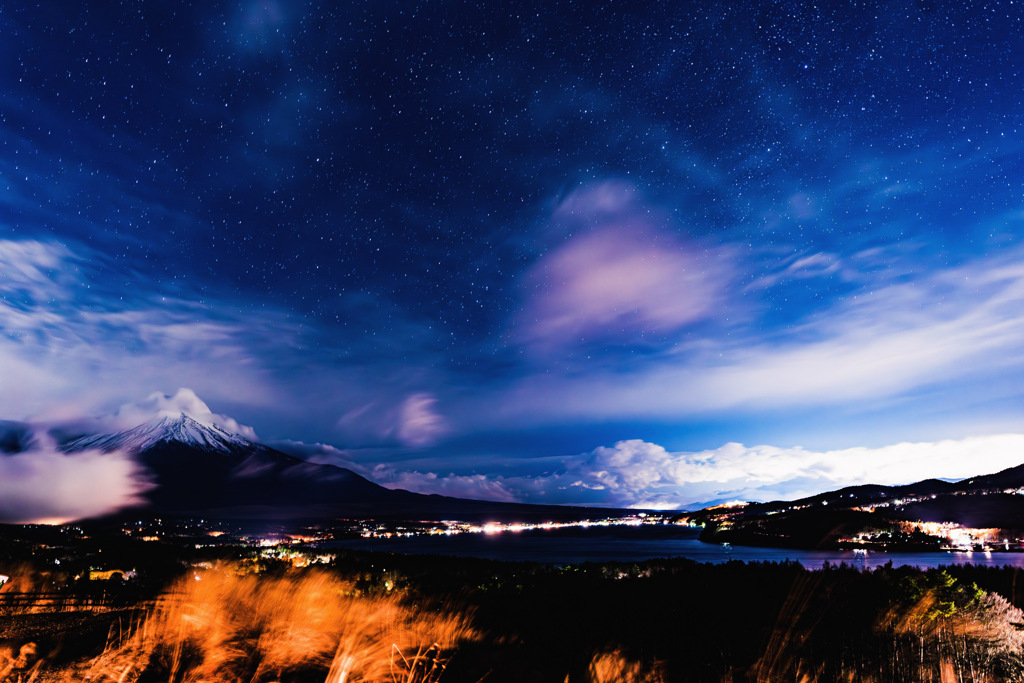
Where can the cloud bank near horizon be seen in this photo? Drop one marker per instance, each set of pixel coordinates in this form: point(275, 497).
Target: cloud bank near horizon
point(639, 474)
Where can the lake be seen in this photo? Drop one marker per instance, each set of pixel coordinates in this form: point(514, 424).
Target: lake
point(632, 544)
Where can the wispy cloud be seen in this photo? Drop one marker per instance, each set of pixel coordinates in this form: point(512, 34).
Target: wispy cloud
point(617, 282)
point(419, 422)
point(33, 268)
point(471, 486)
point(954, 324)
point(320, 453)
point(616, 276)
point(72, 348)
point(413, 420)
point(802, 267)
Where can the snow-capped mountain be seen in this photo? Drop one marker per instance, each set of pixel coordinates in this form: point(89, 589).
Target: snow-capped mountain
point(180, 429)
point(197, 468)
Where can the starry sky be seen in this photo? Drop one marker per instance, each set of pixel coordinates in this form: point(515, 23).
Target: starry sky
point(577, 252)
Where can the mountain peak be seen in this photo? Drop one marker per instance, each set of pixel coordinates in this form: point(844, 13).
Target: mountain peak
point(166, 427)
point(184, 401)
point(181, 419)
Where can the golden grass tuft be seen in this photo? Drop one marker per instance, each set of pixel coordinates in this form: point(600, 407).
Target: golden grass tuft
point(615, 667)
point(220, 627)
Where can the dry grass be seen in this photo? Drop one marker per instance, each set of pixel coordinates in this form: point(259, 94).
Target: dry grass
point(615, 667)
point(220, 627)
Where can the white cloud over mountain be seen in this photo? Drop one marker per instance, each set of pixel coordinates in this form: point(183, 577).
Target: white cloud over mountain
point(182, 401)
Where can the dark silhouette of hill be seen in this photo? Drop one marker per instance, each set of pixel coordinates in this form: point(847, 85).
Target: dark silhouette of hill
point(872, 513)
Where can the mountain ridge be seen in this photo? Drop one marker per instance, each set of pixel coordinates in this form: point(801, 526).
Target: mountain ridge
point(164, 428)
point(992, 503)
point(199, 469)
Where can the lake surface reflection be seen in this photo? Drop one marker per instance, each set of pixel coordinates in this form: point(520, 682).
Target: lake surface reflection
point(631, 544)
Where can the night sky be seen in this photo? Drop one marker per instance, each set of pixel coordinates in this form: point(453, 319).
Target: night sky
point(551, 252)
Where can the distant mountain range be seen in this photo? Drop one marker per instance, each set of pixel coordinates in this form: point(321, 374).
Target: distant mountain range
point(896, 517)
point(199, 469)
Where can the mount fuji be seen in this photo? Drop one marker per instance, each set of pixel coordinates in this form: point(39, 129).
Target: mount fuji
point(198, 468)
point(181, 429)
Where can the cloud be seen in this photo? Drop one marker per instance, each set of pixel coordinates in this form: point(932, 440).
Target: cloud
point(73, 342)
point(598, 201)
point(419, 422)
point(802, 267)
point(639, 474)
point(412, 421)
point(320, 453)
point(617, 281)
point(471, 486)
point(183, 401)
point(956, 324)
point(42, 484)
point(616, 276)
point(371, 463)
point(31, 267)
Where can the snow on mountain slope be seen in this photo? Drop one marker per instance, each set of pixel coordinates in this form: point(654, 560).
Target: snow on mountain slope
point(166, 429)
point(184, 400)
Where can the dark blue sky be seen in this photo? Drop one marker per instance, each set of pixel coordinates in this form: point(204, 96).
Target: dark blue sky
point(515, 250)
